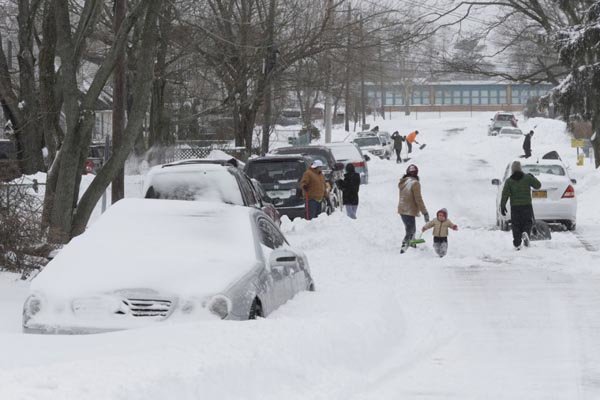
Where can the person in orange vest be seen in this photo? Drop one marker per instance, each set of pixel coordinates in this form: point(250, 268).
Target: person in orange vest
point(410, 139)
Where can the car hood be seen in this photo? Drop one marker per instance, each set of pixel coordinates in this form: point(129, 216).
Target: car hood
point(172, 247)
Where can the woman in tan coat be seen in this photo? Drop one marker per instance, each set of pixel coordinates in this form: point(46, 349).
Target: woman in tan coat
point(410, 204)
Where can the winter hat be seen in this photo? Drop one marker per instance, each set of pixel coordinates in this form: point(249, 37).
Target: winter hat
point(417, 132)
point(531, 132)
point(412, 170)
point(515, 167)
point(442, 211)
point(350, 167)
point(317, 164)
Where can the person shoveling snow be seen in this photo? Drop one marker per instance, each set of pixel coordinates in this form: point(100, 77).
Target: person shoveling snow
point(440, 226)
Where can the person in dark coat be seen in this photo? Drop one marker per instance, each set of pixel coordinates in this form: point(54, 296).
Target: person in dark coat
point(350, 185)
point(517, 189)
point(398, 139)
point(527, 145)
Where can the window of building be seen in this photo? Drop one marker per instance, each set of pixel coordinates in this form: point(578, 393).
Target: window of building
point(466, 97)
point(502, 93)
point(475, 99)
point(493, 97)
point(426, 99)
point(485, 96)
point(416, 97)
point(439, 97)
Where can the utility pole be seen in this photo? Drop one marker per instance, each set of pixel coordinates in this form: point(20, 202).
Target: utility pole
point(348, 60)
point(381, 82)
point(270, 64)
point(363, 100)
point(328, 97)
point(119, 94)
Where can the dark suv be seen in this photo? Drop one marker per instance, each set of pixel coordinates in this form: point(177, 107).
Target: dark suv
point(333, 170)
point(280, 178)
point(9, 168)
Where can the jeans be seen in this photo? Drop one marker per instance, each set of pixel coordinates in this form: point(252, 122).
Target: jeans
point(398, 156)
point(440, 245)
point(521, 218)
point(410, 226)
point(351, 210)
point(314, 208)
point(409, 144)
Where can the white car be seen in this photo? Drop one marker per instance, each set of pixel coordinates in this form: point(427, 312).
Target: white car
point(511, 132)
point(350, 153)
point(374, 144)
point(147, 261)
point(555, 202)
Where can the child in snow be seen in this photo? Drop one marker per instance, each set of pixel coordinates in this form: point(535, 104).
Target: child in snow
point(440, 227)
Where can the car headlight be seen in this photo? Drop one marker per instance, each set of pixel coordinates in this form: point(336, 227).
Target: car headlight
point(220, 306)
point(31, 307)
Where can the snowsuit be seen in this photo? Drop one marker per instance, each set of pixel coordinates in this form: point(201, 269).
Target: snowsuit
point(527, 145)
point(410, 204)
point(440, 235)
point(398, 145)
point(350, 186)
point(517, 188)
point(410, 139)
point(313, 185)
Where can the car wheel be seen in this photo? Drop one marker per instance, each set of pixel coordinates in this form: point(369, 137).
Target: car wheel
point(256, 310)
point(311, 286)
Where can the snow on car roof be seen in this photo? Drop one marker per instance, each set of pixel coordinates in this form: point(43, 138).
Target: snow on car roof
point(173, 247)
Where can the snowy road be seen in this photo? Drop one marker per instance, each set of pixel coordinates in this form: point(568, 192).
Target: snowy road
point(483, 323)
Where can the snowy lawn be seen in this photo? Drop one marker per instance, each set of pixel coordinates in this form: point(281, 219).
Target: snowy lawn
point(485, 322)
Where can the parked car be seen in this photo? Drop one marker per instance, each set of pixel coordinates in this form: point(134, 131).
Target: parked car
point(350, 153)
point(158, 261)
point(280, 177)
point(508, 131)
point(501, 120)
point(9, 167)
point(95, 158)
point(555, 202)
point(388, 142)
point(204, 180)
point(373, 144)
point(333, 170)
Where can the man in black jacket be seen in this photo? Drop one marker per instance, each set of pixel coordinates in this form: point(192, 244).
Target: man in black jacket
point(350, 185)
point(527, 145)
point(398, 139)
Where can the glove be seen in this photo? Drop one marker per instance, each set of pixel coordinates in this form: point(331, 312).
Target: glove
point(426, 217)
point(503, 211)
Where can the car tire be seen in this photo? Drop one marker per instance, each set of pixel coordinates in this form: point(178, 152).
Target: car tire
point(311, 286)
point(256, 310)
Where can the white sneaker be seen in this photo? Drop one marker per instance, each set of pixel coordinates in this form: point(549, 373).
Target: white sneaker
point(525, 238)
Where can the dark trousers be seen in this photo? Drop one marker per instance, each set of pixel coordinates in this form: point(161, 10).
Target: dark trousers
point(410, 227)
point(521, 218)
point(398, 156)
point(409, 144)
point(314, 208)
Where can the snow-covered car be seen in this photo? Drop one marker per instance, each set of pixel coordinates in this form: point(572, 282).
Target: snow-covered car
point(501, 120)
point(205, 180)
point(511, 132)
point(158, 261)
point(350, 153)
point(555, 202)
point(373, 144)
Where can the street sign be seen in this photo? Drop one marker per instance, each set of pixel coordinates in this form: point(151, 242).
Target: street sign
point(577, 143)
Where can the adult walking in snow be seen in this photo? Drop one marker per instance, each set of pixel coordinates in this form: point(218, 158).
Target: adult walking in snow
point(518, 189)
point(527, 144)
point(410, 139)
point(350, 186)
point(398, 139)
point(410, 203)
point(315, 189)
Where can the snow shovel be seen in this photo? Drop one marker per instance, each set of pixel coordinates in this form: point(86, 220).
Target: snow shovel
point(417, 240)
point(421, 147)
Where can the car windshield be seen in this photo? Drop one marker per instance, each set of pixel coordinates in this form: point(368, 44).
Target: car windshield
point(211, 185)
point(276, 171)
point(346, 152)
point(367, 141)
point(504, 117)
point(537, 169)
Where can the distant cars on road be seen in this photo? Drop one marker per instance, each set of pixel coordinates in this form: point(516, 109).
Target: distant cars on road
point(501, 120)
point(157, 261)
point(555, 202)
point(374, 144)
point(514, 133)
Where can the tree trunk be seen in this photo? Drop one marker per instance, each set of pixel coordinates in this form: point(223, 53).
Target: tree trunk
point(119, 96)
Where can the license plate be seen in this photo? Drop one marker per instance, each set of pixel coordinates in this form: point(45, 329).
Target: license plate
point(539, 194)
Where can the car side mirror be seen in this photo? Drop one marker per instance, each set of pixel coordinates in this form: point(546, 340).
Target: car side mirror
point(574, 181)
point(339, 166)
point(367, 158)
point(282, 258)
point(496, 182)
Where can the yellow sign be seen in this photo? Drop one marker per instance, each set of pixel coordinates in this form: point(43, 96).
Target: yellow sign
point(577, 142)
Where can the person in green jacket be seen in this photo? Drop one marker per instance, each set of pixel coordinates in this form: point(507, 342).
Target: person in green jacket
point(517, 188)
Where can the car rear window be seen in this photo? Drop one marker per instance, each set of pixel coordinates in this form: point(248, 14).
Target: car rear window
point(276, 171)
point(367, 141)
point(504, 117)
point(347, 152)
point(537, 169)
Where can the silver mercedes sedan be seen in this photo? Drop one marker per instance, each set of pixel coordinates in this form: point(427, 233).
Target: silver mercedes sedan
point(149, 261)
